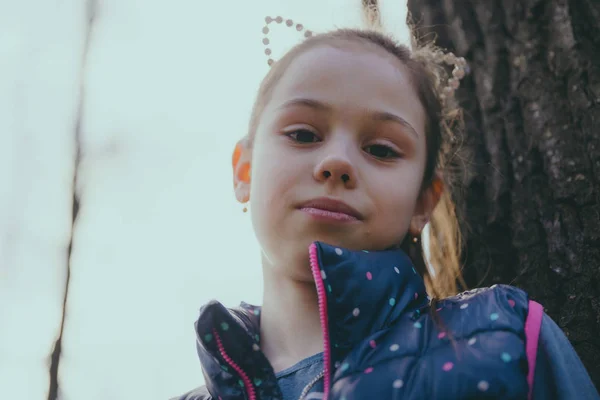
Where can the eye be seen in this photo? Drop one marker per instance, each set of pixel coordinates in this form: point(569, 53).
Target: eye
point(303, 136)
point(381, 151)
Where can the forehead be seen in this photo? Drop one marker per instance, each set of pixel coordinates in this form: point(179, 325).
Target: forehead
point(352, 76)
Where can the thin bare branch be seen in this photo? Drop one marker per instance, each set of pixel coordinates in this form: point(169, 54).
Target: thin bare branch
point(54, 389)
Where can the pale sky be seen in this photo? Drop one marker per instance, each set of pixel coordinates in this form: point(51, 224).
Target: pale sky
point(169, 87)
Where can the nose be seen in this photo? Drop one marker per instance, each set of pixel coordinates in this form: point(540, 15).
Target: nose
point(336, 169)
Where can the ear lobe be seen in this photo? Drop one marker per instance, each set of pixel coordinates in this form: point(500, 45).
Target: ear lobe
point(427, 202)
point(242, 192)
point(240, 160)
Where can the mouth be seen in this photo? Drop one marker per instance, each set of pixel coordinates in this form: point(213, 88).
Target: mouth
point(325, 208)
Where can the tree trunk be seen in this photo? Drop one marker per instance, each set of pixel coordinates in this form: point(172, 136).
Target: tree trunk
point(531, 207)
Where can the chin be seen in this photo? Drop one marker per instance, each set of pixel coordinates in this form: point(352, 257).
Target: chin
point(332, 239)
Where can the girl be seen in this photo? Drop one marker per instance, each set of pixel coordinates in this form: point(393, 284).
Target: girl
point(344, 164)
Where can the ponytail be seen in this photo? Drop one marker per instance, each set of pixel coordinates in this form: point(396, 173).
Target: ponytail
point(444, 275)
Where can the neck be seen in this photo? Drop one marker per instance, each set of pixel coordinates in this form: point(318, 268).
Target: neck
point(290, 328)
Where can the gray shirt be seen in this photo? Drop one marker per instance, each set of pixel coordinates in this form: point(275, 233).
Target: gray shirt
point(293, 380)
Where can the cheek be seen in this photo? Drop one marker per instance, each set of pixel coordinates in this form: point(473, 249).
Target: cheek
point(396, 198)
point(274, 183)
point(398, 205)
point(272, 179)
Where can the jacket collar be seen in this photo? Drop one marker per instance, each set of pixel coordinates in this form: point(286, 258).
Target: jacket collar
point(365, 292)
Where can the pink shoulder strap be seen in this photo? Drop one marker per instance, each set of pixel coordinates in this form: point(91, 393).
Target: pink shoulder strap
point(533, 325)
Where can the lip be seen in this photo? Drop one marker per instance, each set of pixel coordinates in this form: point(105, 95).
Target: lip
point(328, 208)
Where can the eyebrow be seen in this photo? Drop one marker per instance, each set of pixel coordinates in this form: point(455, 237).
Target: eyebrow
point(376, 115)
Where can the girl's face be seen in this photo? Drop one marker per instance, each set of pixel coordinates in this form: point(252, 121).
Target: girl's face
point(343, 124)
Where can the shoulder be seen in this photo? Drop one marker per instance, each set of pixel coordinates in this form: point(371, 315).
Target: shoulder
point(501, 291)
point(200, 393)
point(503, 297)
point(558, 371)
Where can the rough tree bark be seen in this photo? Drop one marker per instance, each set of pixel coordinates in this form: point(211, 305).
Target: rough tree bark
point(531, 208)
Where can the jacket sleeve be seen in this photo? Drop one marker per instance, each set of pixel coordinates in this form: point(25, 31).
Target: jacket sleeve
point(559, 373)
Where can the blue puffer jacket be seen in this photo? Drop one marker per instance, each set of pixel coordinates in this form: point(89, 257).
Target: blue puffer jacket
point(381, 339)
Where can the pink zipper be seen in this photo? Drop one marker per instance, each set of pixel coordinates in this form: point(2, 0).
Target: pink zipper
point(316, 271)
point(250, 391)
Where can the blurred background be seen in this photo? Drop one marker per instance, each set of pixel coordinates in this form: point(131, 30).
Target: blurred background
point(140, 103)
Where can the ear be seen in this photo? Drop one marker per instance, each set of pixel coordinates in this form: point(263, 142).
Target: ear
point(426, 203)
point(240, 160)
